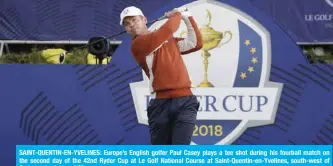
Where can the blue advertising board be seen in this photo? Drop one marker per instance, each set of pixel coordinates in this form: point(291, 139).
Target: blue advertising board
point(306, 21)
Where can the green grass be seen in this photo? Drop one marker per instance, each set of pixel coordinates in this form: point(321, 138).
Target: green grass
point(35, 57)
point(327, 57)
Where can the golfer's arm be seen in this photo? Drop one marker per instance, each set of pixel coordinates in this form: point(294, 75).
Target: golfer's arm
point(193, 42)
point(151, 42)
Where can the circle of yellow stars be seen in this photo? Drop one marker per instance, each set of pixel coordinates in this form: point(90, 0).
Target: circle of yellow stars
point(254, 60)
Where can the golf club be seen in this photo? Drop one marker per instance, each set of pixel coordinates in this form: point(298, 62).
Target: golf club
point(63, 54)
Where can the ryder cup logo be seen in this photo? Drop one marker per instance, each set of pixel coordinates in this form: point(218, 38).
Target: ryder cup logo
point(230, 74)
point(330, 2)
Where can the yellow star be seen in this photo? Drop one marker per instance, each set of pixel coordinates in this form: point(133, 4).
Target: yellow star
point(253, 50)
point(250, 69)
point(247, 42)
point(254, 60)
point(243, 75)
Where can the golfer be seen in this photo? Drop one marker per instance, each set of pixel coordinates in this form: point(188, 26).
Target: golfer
point(172, 111)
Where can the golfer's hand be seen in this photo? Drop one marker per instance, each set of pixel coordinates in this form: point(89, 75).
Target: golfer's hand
point(184, 11)
point(171, 13)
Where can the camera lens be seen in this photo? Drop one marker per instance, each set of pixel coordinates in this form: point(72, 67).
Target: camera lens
point(98, 46)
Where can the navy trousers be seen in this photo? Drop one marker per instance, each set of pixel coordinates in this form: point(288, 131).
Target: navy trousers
point(171, 121)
